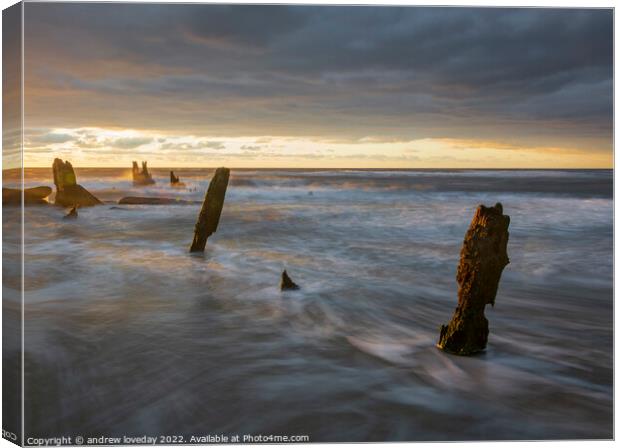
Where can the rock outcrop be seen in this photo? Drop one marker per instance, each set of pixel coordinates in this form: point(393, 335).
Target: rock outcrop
point(209, 216)
point(483, 258)
point(32, 196)
point(141, 200)
point(73, 214)
point(286, 284)
point(141, 177)
point(68, 192)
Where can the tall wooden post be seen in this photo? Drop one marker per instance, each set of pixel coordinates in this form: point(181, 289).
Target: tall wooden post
point(483, 258)
point(211, 209)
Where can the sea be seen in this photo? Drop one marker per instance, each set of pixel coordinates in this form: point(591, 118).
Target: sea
point(128, 334)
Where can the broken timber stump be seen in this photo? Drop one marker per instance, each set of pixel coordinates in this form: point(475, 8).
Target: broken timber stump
point(483, 258)
point(286, 283)
point(141, 177)
point(175, 181)
point(68, 192)
point(209, 216)
point(32, 196)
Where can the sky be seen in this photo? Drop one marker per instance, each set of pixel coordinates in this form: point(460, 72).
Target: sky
point(317, 86)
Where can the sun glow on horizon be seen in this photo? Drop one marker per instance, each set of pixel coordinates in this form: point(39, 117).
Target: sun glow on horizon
point(104, 147)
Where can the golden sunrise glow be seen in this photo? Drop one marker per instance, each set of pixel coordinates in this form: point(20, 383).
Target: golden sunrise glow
point(113, 148)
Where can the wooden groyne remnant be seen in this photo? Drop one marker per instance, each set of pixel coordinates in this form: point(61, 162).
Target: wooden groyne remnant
point(286, 284)
point(483, 258)
point(32, 196)
point(175, 181)
point(68, 192)
point(141, 177)
point(209, 216)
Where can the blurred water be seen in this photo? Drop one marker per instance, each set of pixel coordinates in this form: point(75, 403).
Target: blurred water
point(127, 333)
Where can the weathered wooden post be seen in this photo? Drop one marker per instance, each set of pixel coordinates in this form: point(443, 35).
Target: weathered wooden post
point(483, 258)
point(175, 181)
point(36, 195)
point(286, 283)
point(209, 216)
point(64, 176)
point(141, 177)
point(68, 192)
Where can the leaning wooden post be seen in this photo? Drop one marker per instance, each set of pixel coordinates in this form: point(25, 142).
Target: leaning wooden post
point(211, 209)
point(483, 258)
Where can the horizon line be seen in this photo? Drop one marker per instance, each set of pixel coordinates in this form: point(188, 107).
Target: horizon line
point(327, 168)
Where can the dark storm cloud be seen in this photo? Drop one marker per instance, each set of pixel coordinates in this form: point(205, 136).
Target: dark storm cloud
point(11, 97)
point(325, 71)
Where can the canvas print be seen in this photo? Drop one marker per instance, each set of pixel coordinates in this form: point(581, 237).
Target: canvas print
point(306, 223)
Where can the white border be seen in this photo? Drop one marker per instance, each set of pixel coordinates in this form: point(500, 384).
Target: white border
point(479, 3)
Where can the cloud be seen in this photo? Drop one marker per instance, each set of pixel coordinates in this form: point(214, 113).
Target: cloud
point(128, 142)
point(249, 26)
point(89, 139)
point(341, 73)
point(95, 146)
point(214, 145)
point(251, 147)
point(51, 137)
point(185, 145)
